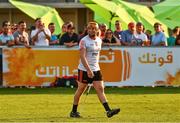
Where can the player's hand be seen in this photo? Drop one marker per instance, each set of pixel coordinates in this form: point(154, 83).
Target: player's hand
point(90, 74)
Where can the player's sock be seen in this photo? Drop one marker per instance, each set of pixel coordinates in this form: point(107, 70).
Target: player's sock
point(106, 106)
point(74, 109)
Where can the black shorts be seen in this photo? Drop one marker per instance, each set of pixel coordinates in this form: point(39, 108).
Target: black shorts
point(83, 77)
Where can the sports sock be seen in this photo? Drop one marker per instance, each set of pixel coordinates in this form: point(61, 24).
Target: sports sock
point(74, 109)
point(106, 106)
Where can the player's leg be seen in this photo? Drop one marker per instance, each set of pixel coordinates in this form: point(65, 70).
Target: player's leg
point(81, 88)
point(99, 87)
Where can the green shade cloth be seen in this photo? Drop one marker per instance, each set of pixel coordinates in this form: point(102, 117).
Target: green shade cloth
point(47, 14)
point(124, 11)
point(134, 12)
point(168, 12)
point(106, 14)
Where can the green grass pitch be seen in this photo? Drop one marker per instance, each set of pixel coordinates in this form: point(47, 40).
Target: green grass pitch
point(138, 104)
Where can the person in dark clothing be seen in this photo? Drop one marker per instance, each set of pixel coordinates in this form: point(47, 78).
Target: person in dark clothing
point(70, 38)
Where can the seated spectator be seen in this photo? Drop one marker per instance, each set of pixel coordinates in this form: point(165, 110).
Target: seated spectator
point(70, 38)
point(40, 36)
point(141, 38)
point(128, 36)
point(118, 31)
point(54, 40)
point(171, 40)
point(110, 39)
point(21, 37)
point(159, 38)
point(6, 37)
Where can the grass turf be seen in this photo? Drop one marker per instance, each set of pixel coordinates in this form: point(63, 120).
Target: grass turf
point(138, 104)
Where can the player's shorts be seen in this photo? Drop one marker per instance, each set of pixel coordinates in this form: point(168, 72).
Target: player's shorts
point(83, 77)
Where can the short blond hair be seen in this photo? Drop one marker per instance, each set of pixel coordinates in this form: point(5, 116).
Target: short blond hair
point(92, 24)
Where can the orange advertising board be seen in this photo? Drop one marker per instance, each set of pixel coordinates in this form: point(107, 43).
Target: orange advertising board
point(120, 66)
point(37, 66)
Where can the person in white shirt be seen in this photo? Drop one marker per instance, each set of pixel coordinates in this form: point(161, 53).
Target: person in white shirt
point(141, 37)
point(89, 70)
point(40, 36)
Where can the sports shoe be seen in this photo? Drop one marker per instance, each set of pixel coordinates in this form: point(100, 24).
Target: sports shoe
point(75, 114)
point(113, 112)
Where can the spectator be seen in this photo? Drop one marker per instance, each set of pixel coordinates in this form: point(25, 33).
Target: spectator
point(70, 23)
point(110, 39)
point(40, 36)
point(118, 31)
point(103, 28)
point(21, 37)
point(85, 32)
point(54, 40)
point(172, 39)
point(14, 27)
point(159, 38)
point(70, 38)
point(141, 38)
point(148, 34)
point(128, 36)
point(63, 30)
point(6, 37)
point(30, 29)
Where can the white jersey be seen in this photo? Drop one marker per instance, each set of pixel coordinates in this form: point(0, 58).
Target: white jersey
point(93, 48)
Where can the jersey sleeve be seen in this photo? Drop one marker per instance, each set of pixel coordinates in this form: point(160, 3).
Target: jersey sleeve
point(82, 45)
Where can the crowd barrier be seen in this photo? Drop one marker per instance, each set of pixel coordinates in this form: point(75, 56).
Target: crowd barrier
point(121, 66)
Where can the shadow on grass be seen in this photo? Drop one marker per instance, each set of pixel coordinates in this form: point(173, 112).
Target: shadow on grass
point(108, 90)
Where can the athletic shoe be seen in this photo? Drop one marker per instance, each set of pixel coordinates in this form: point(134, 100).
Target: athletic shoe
point(113, 112)
point(75, 114)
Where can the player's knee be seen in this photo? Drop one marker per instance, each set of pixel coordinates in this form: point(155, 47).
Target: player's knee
point(81, 89)
point(100, 89)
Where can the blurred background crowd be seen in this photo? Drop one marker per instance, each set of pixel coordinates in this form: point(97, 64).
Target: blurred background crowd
point(18, 29)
